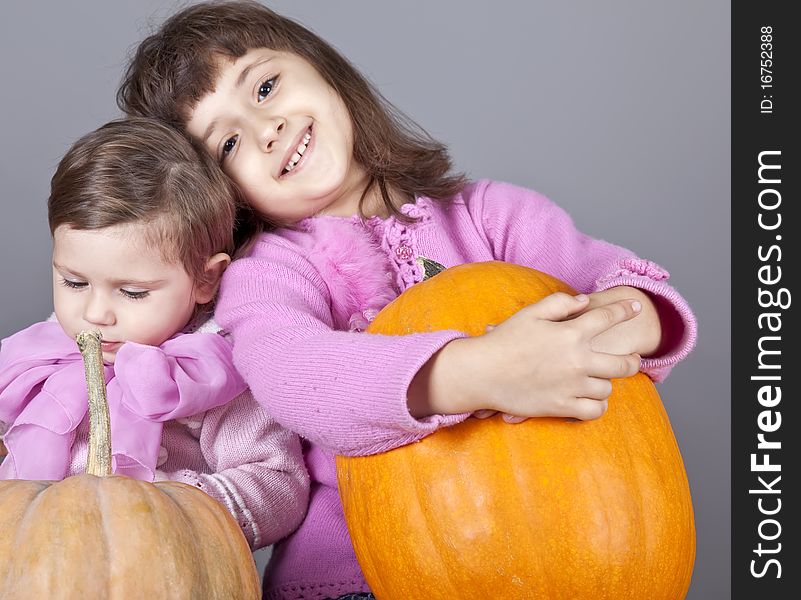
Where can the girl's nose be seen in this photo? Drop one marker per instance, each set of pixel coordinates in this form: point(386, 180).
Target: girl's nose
point(98, 310)
point(271, 131)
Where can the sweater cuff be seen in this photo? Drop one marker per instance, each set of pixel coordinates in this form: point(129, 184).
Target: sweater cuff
point(216, 487)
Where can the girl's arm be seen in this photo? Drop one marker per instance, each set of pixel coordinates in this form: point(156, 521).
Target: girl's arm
point(258, 470)
point(538, 363)
point(549, 359)
point(346, 392)
point(524, 227)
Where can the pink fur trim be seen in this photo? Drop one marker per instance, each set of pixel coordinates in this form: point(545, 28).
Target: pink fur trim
point(356, 270)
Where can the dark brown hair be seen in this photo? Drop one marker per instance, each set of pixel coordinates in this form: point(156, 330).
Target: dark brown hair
point(174, 68)
point(139, 170)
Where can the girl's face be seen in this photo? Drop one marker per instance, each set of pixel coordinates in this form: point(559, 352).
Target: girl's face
point(113, 280)
point(283, 135)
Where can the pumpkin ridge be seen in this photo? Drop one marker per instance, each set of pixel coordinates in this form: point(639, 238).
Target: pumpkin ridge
point(101, 499)
point(612, 573)
point(632, 466)
point(372, 566)
point(223, 524)
point(18, 496)
point(522, 499)
point(432, 525)
point(24, 524)
point(219, 522)
point(165, 497)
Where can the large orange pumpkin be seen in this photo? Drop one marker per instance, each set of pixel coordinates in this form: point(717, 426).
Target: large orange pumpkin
point(550, 508)
point(101, 536)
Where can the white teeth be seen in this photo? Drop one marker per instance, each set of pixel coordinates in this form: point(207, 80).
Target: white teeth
point(293, 160)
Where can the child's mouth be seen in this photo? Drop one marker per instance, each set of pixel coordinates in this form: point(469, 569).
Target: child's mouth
point(298, 154)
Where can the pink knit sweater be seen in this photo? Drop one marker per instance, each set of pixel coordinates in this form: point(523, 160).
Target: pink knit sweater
point(295, 305)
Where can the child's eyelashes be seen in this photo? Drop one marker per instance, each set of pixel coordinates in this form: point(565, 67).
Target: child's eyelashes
point(130, 294)
point(75, 285)
point(266, 88)
point(134, 295)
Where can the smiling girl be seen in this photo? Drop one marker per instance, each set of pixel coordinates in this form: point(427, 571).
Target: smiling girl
point(142, 225)
point(362, 205)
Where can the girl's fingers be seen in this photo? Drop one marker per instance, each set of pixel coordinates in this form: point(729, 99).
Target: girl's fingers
point(483, 413)
point(513, 418)
point(613, 366)
point(596, 388)
point(587, 409)
point(558, 306)
point(598, 320)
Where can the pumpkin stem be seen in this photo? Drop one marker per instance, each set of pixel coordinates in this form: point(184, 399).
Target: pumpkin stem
point(98, 461)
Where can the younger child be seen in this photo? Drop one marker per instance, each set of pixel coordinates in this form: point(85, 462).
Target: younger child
point(364, 205)
point(142, 224)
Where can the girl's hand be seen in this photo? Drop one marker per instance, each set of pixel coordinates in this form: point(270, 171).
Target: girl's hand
point(538, 363)
point(641, 335)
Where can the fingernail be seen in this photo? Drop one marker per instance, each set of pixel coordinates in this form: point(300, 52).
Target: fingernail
point(636, 306)
point(581, 297)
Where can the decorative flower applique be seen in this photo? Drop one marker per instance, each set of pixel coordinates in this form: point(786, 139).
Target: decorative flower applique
point(400, 240)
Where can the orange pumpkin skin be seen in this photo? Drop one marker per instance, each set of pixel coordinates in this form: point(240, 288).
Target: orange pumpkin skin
point(117, 538)
point(546, 509)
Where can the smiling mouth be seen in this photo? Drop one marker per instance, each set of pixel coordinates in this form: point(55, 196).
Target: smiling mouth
point(109, 346)
point(298, 154)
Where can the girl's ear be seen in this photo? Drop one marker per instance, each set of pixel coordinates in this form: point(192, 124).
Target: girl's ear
point(205, 290)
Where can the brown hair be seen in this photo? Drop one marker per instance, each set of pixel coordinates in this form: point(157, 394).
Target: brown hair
point(174, 68)
point(140, 170)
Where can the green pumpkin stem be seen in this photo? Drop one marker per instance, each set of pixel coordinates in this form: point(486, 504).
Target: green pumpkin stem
point(98, 460)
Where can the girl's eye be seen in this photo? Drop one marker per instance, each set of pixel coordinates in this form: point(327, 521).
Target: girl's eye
point(75, 285)
point(134, 295)
point(228, 146)
point(266, 88)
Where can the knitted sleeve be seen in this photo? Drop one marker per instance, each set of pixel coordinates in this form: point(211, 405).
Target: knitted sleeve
point(526, 228)
point(342, 390)
point(258, 470)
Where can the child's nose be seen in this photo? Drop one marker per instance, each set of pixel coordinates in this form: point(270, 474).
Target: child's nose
point(271, 131)
point(98, 310)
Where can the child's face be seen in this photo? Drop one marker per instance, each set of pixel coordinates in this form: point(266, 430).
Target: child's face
point(272, 110)
point(113, 280)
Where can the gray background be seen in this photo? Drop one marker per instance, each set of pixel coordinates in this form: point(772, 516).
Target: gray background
point(617, 110)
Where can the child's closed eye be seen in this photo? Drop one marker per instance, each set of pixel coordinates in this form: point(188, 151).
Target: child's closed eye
point(131, 295)
point(72, 284)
